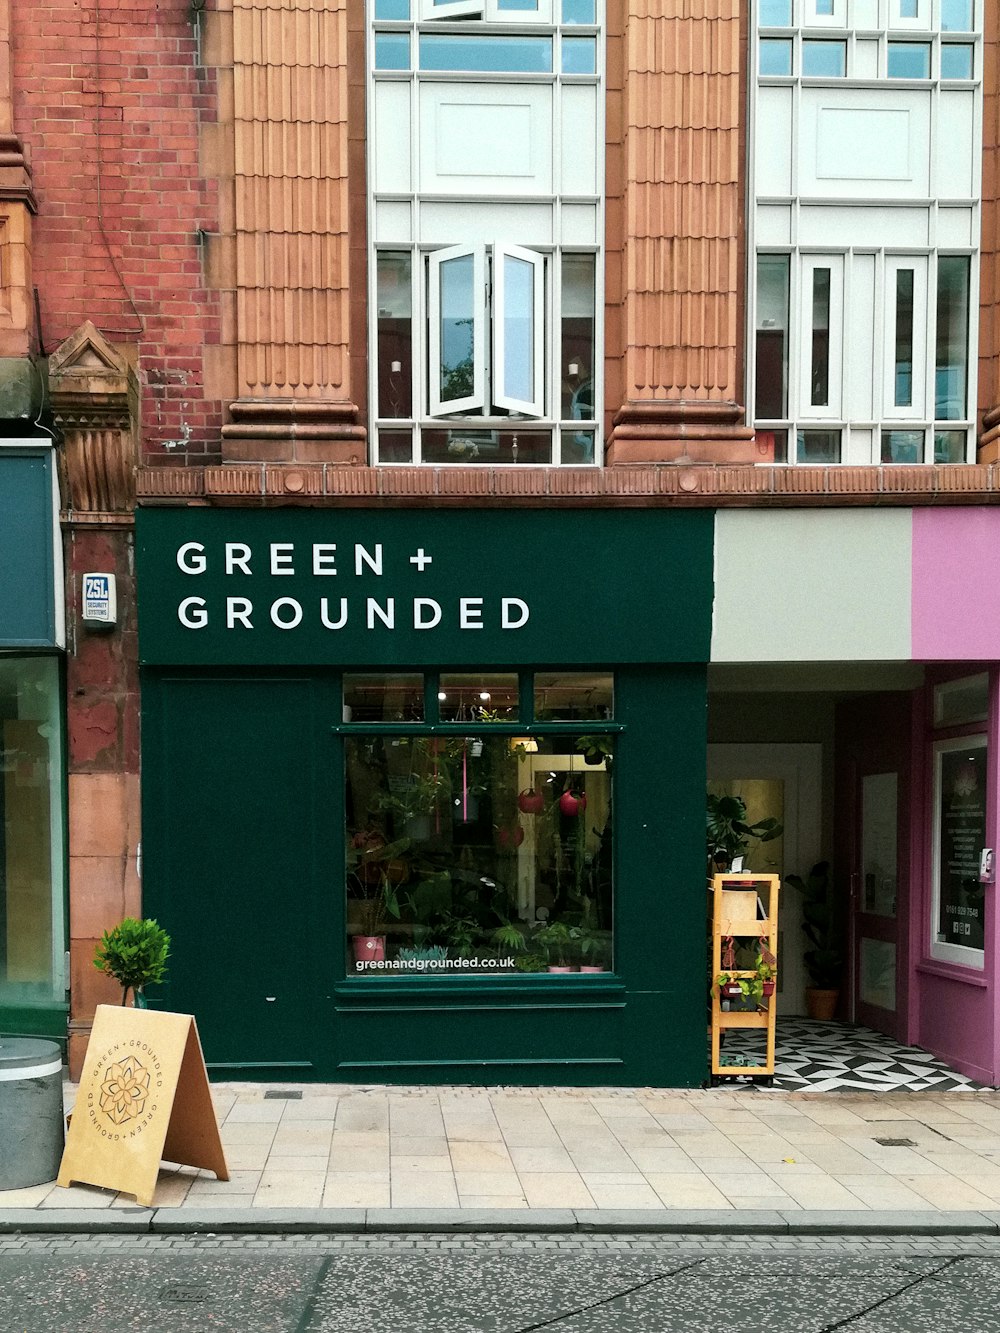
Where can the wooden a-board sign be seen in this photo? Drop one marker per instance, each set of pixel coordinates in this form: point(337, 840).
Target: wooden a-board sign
point(144, 1096)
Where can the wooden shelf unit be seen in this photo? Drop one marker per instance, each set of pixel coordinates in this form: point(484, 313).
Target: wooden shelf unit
point(737, 900)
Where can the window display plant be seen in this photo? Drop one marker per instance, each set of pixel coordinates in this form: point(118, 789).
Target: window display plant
point(559, 943)
point(135, 953)
point(371, 864)
point(727, 833)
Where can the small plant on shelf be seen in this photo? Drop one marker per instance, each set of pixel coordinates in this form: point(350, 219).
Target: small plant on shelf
point(730, 987)
point(767, 975)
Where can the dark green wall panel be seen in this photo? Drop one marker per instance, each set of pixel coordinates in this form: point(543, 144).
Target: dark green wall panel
point(243, 857)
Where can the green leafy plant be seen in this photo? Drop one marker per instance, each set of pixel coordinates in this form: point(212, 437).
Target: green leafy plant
point(728, 835)
point(595, 749)
point(135, 953)
point(368, 869)
point(825, 960)
point(531, 962)
point(558, 940)
point(510, 937)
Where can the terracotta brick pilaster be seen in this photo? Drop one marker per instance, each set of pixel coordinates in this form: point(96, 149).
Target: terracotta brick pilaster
point(94, 395)
point(675, 219)
point(290, 88)
point(989, 294)
point(17, 203)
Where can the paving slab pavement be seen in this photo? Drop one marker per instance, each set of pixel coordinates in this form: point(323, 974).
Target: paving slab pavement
point(361, 1158)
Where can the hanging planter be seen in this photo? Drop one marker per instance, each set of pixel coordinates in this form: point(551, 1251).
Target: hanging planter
point(509, 838)
point(572, 803)
point(531, 802)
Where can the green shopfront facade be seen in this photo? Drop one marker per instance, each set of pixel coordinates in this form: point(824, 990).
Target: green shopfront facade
point(423, 790)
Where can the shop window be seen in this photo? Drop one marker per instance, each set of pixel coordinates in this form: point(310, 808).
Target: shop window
point(568, 696)
point(909, 60)
point(772, 337)
point(956, 15)
point(31, 845)
point(775, 13)
point(481, 849)
point(824, 60)
point(381, 698)
point(481, 698)
point(958, 907)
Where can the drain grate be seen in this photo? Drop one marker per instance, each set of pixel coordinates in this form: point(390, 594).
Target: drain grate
point(896, 1143)
point(181, 1294)
point(282, 1095)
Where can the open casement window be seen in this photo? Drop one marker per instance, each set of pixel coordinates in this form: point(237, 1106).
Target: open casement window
point(459, 304)
point(492, 11)
point(518, 330)
point(457, 336)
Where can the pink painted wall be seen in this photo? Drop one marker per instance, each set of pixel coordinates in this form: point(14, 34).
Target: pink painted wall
point(951, 1011)
point(955, 596)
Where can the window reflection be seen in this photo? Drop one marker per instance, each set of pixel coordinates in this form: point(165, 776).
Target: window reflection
point(31, 898)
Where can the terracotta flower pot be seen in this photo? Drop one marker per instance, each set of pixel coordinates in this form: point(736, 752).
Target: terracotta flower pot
point(821, 1004)
point(768, 987)
point(368, 948)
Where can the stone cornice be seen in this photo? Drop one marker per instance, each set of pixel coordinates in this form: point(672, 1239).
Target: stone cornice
point(664, 486)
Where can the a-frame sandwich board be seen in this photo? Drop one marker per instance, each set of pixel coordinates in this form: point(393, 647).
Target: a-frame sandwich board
point(144, 1097)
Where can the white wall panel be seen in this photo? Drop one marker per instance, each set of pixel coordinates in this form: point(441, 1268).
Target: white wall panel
point(838, 585)
point(392, 133)
point(578, 169)
point(954, 227)
point(578, 224)
point(393, 221)
point(955, 139)
point(864, 142)
point(482, 139)
point(773, 142)
point(774, 224)
point(827, 224)
point(486, 223)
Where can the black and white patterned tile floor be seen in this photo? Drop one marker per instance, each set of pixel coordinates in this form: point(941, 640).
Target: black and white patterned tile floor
point(811, 1056)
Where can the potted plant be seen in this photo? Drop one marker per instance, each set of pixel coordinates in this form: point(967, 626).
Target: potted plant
point(135, 953)
point(824, 960)
point(557, 939)
point(372, 868)
point(767, 975)
point(595, 749)
point(728, 835)
point(729, 986)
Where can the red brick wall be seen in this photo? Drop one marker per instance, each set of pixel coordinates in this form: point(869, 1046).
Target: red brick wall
point(108, 102)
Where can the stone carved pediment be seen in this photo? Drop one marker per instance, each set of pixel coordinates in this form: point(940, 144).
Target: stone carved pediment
point(87, 352)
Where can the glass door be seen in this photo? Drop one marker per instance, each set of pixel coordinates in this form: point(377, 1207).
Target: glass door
point(876, 887)
point(873, 748)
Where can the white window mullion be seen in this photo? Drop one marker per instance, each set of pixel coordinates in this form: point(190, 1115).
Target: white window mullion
point(519, 330)
point(456, 330)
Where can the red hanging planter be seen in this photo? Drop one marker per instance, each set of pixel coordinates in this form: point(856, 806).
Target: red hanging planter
point(572, 803)
point(531, 802)
point(510, 837)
